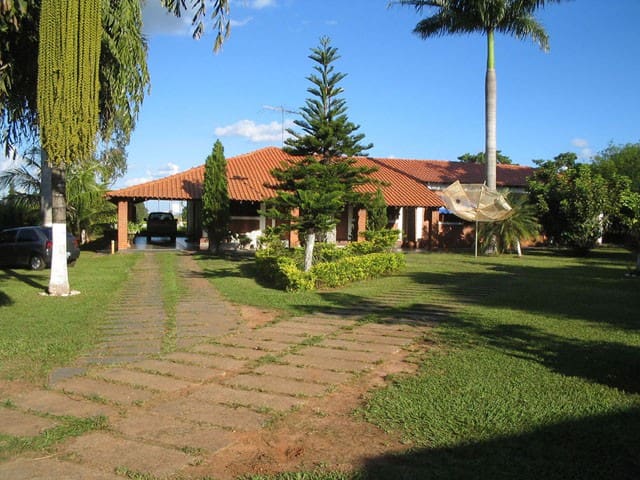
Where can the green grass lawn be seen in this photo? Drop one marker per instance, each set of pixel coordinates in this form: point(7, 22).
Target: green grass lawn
point(532, 370)
point(535, 374)
point(38, 333)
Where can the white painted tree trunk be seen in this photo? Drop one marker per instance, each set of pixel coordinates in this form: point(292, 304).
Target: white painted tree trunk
point(308, 250)
point(59, 278)
point(518, 248)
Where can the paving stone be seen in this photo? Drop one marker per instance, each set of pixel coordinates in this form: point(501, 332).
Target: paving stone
point(301, 329)
point(282, 385)
point(108, 452)
point(267, 334)
point(195, 410)
point(349, 355)
point(188, 372)
point(110, 391)
point(153, 382)
point(221, 394)
point(172, 431)
point(354, 346)
point(265, 346)
point(226, 350)
point(56, 403)
point(325, 362)
point(225, 364)
point(19, 424)
point(50, 468)
point(309, 374)
point(369, 338)
point(391, 330)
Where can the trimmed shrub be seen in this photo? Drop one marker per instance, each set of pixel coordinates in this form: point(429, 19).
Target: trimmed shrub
point(351, 269)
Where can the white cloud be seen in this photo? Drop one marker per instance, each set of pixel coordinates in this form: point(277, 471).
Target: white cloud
point(585, 152)
point(157, 20)
point(241, 23)
point(580, 142)
point(257, 133)
point(168, 169)
point(258, 4)
point(130, 182)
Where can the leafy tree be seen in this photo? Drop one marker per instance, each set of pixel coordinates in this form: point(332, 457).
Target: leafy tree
point(377, 218)
point(522, 224)
point(572, 201)
point(69, 36)
point(481, 158)
point(511, 17)
point(215, 197)
point(87, 184)
point(620, 160)
point(313, 189)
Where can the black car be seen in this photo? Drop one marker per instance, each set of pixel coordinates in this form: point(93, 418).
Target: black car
point(31, 247)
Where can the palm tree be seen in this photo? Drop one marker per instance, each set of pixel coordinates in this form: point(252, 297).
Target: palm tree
point(70, 37)
point(511, 17)
point(522, 224)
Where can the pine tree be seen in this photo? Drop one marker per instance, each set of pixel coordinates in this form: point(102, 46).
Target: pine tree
point(215, 197)
point(326, 129)
point(314, 188)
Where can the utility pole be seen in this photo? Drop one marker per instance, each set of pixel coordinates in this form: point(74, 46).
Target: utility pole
point(282, 109)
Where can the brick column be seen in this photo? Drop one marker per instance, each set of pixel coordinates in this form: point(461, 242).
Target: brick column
point(123, 220)
point(362, 223)
point(294, 237)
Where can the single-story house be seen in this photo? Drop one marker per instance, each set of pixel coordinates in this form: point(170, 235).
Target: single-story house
point(409, 190)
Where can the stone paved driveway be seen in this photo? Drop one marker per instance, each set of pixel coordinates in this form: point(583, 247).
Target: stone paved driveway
point(166, 410)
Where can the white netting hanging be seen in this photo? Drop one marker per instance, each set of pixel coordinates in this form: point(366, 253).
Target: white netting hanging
point(474, 202)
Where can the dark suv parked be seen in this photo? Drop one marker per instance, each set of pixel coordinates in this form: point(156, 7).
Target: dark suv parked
point(31, 247)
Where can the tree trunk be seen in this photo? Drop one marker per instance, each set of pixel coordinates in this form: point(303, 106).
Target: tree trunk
point(308, 250)
point(490, 114)
point(59, 279)
point(45, 190)
point(518, 248)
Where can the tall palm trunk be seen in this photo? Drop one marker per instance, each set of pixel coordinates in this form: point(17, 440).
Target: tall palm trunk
point(59, 279)
point(45, 189)
point(490, 113)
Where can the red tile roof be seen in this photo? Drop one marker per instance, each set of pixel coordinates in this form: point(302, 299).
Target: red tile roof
point(438, 171)
point(248, 174)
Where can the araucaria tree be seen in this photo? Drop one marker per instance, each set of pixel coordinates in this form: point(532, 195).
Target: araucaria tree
point(510, 17)
point(215, 197)
point(314, 188)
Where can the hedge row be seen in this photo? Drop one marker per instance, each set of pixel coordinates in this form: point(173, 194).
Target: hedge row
point(284, 273)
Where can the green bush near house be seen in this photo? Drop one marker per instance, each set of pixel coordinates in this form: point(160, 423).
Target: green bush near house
point(333, 266)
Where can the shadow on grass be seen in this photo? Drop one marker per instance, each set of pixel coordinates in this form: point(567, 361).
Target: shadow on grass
point(594, 291)
point(380, 310)
point(5, 300)
point(608, 363)
point(27, 279)
point(593, 448)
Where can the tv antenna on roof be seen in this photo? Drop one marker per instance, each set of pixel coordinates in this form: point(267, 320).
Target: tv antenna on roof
point(282, 109)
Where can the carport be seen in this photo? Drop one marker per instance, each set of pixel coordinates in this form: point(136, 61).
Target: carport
point(185, 186)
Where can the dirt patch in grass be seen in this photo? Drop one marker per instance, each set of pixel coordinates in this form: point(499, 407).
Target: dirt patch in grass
point(326, 433)
point(255, 317)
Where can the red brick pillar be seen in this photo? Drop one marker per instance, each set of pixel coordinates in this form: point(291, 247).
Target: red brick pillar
point(433, 217)
point(362, 223)
point(294, 236)
point(123, 221)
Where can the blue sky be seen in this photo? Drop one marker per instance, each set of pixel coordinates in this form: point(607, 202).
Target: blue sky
point(413, 98)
